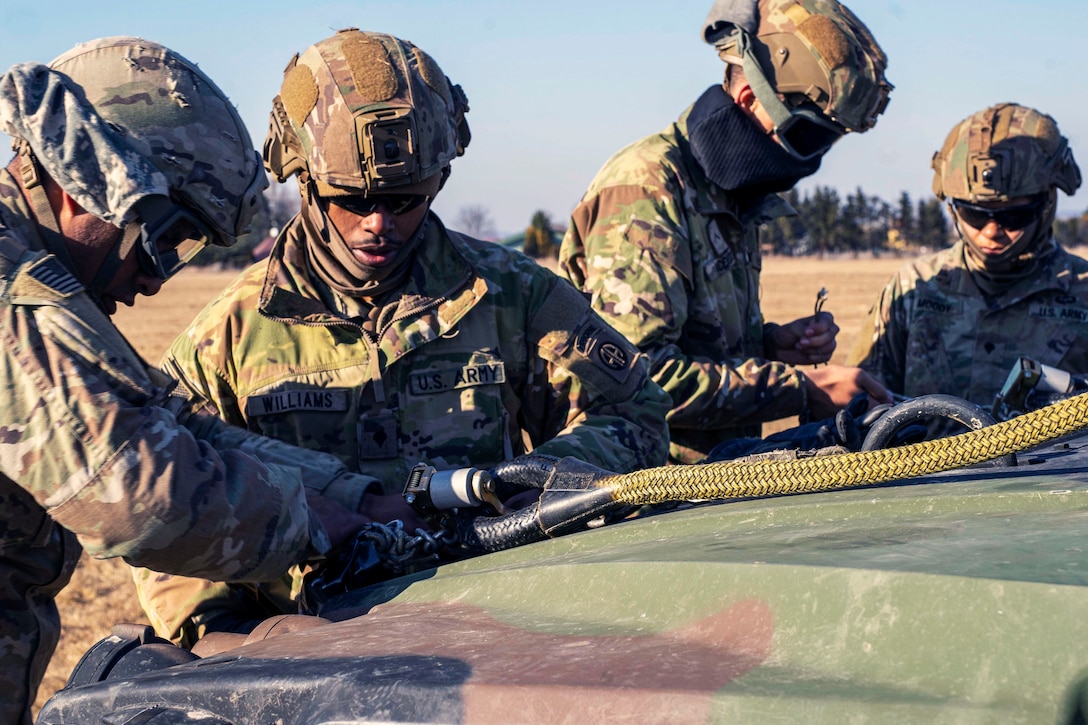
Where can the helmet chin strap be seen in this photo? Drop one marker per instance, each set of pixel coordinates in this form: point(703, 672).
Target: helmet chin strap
point(48, 226)
point(148, 210)
point(53, 240)
point(115, 259)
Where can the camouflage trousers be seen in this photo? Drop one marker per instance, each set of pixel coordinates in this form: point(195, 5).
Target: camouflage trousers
point(184, 609)
point(37, 558)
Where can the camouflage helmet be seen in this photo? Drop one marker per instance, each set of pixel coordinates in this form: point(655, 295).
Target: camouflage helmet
point(364, 112)
point(1004, 152)
point(814, 51)
point(170, 113)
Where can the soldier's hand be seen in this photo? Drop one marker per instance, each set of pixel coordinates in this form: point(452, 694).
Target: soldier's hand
point(340, 523)
point(830, 388)
point(389, 507)
point(807, 341)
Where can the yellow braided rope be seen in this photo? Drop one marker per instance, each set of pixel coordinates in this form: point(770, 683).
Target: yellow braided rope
point(827, 473)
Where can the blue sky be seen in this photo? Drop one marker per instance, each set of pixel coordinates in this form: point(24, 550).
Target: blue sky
point(556, 87)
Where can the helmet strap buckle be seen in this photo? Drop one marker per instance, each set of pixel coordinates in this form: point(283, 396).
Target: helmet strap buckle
point(30, 169)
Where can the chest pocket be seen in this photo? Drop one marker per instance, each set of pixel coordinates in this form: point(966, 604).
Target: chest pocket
point(724, 315)
point(720, 255)
point(451, 410)
point(938, 332)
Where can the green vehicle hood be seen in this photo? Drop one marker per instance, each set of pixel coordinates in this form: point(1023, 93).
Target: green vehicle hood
point(960, 597)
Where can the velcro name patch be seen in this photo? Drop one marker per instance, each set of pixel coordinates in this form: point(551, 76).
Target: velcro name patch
point(292, 401)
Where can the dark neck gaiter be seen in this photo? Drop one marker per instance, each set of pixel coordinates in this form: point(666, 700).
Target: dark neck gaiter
point(735, 153)
point(338, 267)
point(994, 275)
point(995, 281)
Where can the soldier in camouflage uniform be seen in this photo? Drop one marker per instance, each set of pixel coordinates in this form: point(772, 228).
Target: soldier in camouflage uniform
point(375, 333)
point(128, 161)
point(957, 321)
point(665, 238)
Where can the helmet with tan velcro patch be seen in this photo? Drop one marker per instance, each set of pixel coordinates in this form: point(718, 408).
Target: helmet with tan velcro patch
point(364, 112)
point(170, 113)
point(811, 51)
point(1004, 152)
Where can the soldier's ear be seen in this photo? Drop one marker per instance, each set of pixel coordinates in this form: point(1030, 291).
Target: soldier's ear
point(744, 96)
point(62, 205)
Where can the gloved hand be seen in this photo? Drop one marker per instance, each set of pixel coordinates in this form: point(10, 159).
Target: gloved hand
point(340, 523)
point(841, 430)
point(385, 508)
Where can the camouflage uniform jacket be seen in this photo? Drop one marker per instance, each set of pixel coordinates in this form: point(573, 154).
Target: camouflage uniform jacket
point(932, 331)
point(93, 435)
point(95, 452)
point(673, 263)
point(483, 354)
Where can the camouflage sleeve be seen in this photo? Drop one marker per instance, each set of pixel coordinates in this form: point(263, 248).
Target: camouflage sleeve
point(637, 267)
point(321, 473)
point(204, 384)
point(593, 387)
point(173, 603)
point(881, 346)
point(183, 609)
point(123, 475)
point(88, 435)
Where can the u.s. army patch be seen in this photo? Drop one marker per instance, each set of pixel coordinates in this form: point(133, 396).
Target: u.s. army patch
point(1064, 313)
point(467, 376)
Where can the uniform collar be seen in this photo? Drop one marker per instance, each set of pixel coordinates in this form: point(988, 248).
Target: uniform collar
point(441, 279)
point(1056, 273)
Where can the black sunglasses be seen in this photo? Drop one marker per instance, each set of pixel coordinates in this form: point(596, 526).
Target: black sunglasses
point(396, 203)
point(1011, 218)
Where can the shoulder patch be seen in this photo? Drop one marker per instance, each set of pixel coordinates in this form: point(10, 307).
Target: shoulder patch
point(573, 336)
point(597, 343)
point(49, 272)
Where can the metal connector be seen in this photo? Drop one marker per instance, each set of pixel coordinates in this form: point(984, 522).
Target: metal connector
point(431, 491)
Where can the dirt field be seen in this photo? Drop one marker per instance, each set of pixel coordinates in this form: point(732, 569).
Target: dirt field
point(101, 592)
